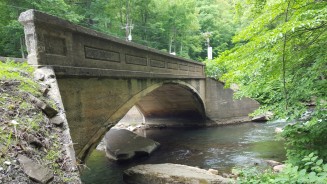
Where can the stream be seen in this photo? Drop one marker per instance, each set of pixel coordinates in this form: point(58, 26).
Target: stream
point(221, 148)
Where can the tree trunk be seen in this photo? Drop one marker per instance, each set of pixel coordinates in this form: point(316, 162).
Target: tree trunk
point(22, 47)
point(284, 58)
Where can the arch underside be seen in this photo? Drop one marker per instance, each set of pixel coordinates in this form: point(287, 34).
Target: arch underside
point(172, 105)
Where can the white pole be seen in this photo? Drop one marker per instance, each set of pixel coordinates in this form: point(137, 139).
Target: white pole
point(209, 53)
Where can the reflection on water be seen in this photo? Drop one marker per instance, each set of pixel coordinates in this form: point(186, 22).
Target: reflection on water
point(217, 147)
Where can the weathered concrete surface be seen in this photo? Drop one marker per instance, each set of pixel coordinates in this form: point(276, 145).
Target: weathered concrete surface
point(174, 105)
point(222, 108)
point(171, 173)
point(124, 145)
point(75, 50)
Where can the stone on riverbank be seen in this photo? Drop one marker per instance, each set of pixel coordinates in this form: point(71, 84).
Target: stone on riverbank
point(35, 171)
point(279, 168)
point(273, 163)
point(263, 117)
point(213, 171)
point(171, 173)
point(47, 109)
point(124, 145)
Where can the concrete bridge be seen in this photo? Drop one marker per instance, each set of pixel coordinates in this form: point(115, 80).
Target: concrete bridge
point(101, 77)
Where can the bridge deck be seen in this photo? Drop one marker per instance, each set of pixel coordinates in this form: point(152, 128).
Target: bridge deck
point(79, 51)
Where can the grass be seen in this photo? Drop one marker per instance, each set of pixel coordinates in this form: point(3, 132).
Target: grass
point(22, 72)
point(20, 119)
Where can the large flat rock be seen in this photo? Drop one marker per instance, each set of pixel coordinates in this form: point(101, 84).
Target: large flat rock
point(123, 145)
point(35, 171)
point(171, 173)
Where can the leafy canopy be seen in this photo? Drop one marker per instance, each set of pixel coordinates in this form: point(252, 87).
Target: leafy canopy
point(280, 59)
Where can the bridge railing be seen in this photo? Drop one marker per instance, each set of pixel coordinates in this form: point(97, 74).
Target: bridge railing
point(78, 51)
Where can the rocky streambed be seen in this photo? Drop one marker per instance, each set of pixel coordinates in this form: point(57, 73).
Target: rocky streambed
point(215, 148)
point(122, 145)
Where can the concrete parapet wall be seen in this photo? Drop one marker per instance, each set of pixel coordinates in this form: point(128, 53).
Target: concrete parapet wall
point(78, 51)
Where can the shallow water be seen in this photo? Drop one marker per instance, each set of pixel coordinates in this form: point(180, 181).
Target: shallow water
point(220, 148)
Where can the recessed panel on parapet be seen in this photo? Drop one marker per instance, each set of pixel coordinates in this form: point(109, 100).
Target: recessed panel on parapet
point(191, 68)
point(183, 66)
point(173, 66)
point(157, 63)
point(55, 45)
point(136, 60)
point(100, 54)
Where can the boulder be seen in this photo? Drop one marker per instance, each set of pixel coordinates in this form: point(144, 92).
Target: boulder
point(213, 171)
point(123, 145)
point(45, 90)
point(57, 120)
point(273, 163)
point(39, 76)
point(171, 173)
point(35, 171)
point(262, 117)
point(278, 130)
point(279, 168)
point(47, 109)
point(31, 139)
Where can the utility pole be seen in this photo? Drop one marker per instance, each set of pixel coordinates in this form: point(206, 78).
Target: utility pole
point(129, 26)
point(207, 37)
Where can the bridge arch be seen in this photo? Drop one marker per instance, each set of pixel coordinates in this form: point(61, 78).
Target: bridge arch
point(155, 94)
point(95, 105)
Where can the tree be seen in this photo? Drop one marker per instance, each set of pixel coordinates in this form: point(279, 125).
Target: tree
point(282, 51)
point(172, 26)
point(216, 17)
point(12, 35)
point(177, 24)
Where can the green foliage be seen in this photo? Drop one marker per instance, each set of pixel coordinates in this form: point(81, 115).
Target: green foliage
point(16, 80)
point(314, 171)
point(171, 26)
point(216, 17)
point(18, 72)
point(11, 31)
point(279, 59)
point(305, 137)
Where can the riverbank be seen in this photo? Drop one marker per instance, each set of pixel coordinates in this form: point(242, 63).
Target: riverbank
point(32, 146)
